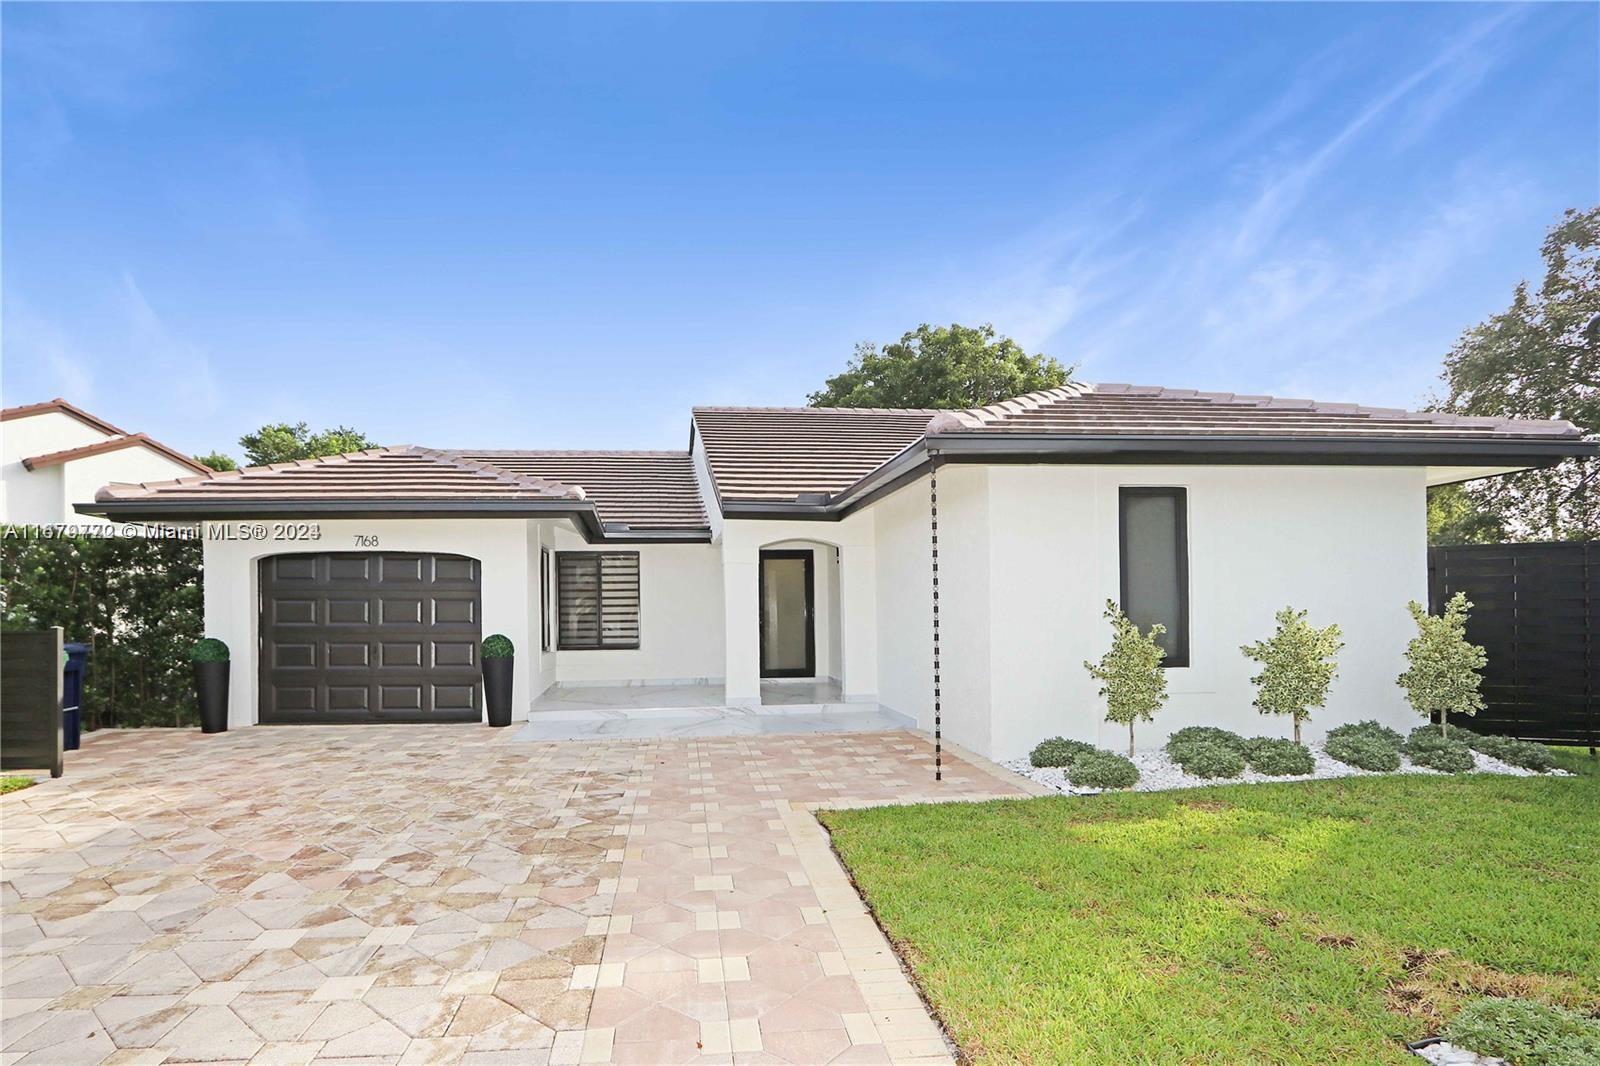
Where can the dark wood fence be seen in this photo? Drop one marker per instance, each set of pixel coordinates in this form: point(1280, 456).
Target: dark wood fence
point(30, 701)
point(1536, 611)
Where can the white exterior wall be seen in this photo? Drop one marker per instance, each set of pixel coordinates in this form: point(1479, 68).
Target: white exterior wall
point(905, 603)
point(1347, 543)
point(232, 577)
point(680, 617)
point(36, 497)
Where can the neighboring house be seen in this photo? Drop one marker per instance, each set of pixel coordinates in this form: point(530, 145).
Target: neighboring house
point(796, 543)
point(54, 455)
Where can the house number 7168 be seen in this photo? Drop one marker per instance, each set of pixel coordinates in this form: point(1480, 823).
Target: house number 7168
point(366, 540)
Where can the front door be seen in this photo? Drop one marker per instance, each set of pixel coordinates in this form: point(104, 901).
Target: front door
point(788, 638)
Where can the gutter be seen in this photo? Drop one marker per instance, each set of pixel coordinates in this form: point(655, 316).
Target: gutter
point(582, 514)
point(999, 446)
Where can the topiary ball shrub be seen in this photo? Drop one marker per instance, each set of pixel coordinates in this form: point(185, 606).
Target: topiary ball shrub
point(498, 646)
point(1102, 769)
point(1279, 758)
point(1523, 1031)
point(1208, 760)
point(209, 650)
point(1205, 734)
point(1427, 748)
point(1059, 751)
point(1364, 751)
point(1523, 753)
point(1369, 730)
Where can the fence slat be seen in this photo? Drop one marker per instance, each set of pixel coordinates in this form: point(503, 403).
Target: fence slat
point(1536, 611)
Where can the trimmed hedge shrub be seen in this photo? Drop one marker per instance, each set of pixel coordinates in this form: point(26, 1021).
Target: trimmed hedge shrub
point(1370, 730)
point(1427, 748)
point(1525, 1032)
point(498, 646)
point(1202, 759)
point(1102, 769)
point(209, 650)
point(1278, 757)
point(1364, 751)
point(1523, 753)
point(1059, 751)
point(1205, 734)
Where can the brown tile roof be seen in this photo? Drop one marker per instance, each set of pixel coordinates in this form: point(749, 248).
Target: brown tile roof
point(62, 406)
point(1082, 409)
point(777, 453)
point(111, 444)
point(643, 490)
point(378, 475)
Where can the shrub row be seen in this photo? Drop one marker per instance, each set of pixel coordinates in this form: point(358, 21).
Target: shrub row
point(1086, 765)
point(1206, 751)
point(1427, 746)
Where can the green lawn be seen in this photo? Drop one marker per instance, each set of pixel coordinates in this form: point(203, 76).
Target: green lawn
point(1299, 922)
point(12, 782)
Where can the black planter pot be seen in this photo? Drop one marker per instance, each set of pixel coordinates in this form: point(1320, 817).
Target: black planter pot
point(497, 689)
point(211, 684)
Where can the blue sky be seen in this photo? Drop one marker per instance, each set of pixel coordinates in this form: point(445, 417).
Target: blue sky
point(551, 226)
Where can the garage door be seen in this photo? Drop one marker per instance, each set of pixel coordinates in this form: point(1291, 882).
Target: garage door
point(369, 637)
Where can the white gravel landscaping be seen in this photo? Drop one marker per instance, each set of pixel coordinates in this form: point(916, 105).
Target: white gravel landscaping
point(1157, 772)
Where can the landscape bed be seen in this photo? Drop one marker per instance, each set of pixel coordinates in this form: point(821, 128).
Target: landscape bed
point(1306, 921)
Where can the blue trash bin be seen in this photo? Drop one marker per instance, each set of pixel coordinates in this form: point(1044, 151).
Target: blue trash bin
point(72, 672)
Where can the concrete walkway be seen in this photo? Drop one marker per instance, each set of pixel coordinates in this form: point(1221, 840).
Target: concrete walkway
point(387, 894)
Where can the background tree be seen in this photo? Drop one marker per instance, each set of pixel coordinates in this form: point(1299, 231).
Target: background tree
point(1540, 358)
point(1442, 677)
point(940, 367)
point(217, 461)
point(135, 600)
point(284, 443)
point(1297, 667)
point(1131, 679)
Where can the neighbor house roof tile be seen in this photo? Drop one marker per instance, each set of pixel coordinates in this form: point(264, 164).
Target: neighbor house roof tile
point(63, 407)
point(111, 444)
point(643, 490)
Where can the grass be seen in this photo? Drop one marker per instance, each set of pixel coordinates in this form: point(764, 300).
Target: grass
point(1309, 921)
point(14, 783)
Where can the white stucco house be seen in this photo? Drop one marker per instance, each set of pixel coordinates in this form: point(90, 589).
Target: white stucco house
point(53, 455)
point(792, 546)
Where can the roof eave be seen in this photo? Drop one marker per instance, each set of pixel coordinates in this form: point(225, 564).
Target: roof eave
point(988, 446)
point(582, 513)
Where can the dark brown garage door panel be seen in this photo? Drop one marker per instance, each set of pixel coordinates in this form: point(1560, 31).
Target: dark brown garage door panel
point(370, 637)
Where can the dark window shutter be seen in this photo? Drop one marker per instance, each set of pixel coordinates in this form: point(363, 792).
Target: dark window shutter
point(597, 599)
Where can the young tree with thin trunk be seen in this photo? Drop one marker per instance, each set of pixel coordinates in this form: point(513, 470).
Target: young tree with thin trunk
point(1443, 677)
point(1131, 679)
point(1297, 666)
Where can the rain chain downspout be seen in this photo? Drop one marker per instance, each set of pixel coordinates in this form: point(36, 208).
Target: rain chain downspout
point(933, 517)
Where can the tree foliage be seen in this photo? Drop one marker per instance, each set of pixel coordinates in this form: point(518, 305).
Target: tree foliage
point(1540, 358)
point(1442, 677)
point(217, 461)
point(1131, 679)
point(285, 443)
point(940, 367)
point(1297, 667)
point(137, 601)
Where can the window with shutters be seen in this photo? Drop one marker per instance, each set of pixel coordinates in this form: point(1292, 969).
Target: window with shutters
point(597, 600)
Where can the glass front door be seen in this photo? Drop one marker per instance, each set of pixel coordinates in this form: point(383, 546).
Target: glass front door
point(788, 642)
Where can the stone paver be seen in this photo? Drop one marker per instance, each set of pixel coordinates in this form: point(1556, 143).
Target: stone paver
point(433, 894)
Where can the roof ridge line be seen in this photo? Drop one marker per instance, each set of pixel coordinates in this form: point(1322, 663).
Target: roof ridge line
point(543, 486)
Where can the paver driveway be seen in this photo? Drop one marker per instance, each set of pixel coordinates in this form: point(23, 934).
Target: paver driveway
point(443, 894)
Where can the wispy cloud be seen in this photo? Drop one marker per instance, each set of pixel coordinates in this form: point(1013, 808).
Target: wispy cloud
point(35, 342)
point(183, 366)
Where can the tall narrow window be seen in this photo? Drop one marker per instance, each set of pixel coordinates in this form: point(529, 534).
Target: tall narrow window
point(1155, 565)
point(545, 577)
point(597, 599)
